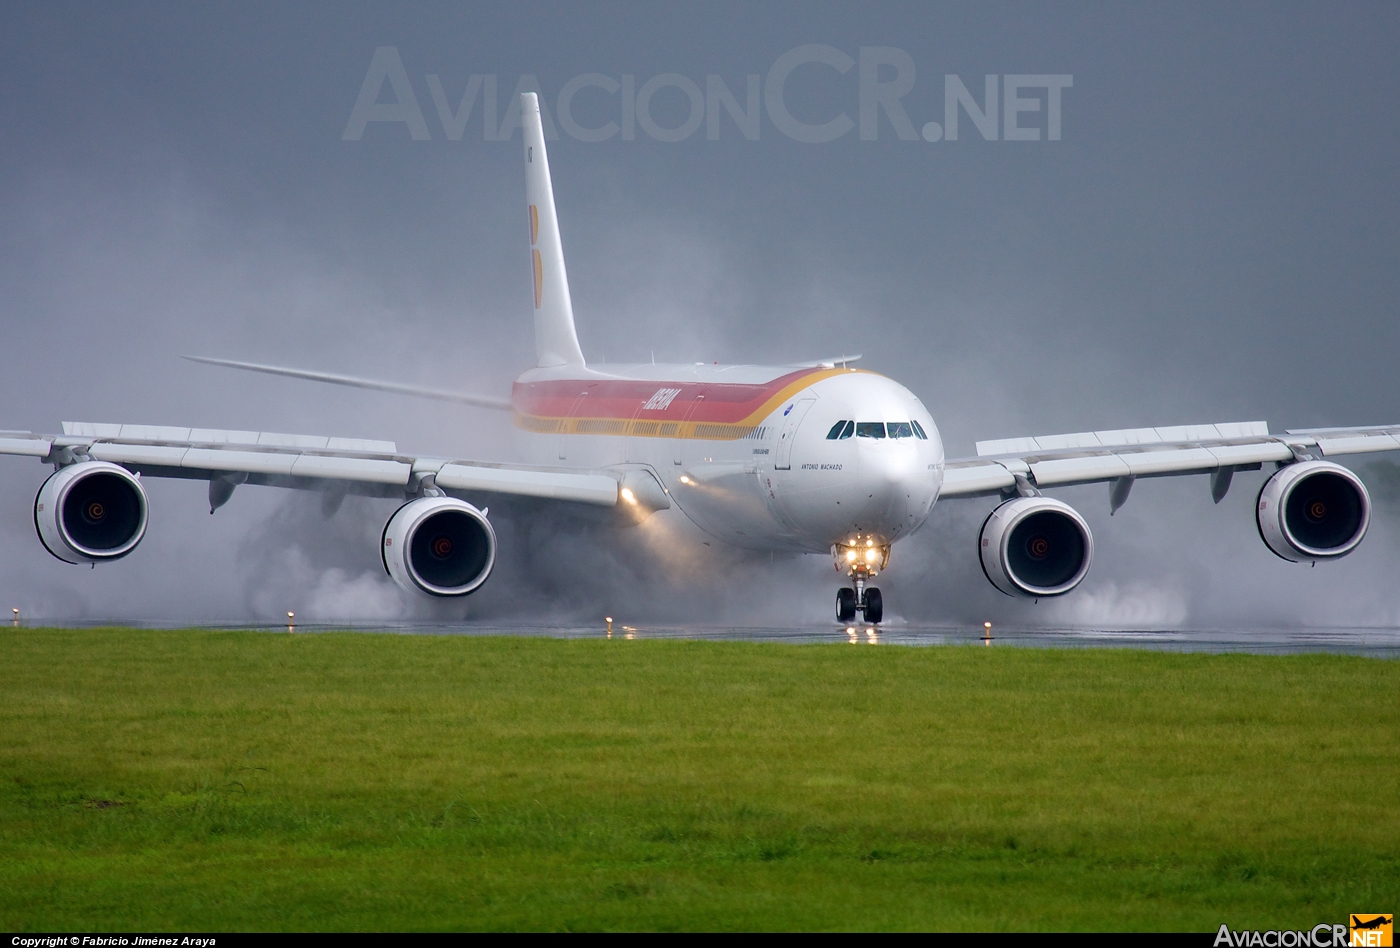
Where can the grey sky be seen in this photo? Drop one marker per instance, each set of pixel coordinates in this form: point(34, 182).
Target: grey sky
point(1213, 238)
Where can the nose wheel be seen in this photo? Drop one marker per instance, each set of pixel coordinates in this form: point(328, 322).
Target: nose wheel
point(862, 557)
point(863, 599)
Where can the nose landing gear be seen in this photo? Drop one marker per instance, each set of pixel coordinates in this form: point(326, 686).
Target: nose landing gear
point(863, 558)
point(860, 599)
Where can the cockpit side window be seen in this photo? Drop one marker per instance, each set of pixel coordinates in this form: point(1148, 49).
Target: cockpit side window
point(899, 429)
point(919, 430)
point(870, 429)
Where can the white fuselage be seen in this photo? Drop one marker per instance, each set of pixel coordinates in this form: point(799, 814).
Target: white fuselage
point(776, 480)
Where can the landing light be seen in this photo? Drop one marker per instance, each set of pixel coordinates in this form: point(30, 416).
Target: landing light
point(685, 479)
point(870, 555)
point(628, 496)
point(851, 555)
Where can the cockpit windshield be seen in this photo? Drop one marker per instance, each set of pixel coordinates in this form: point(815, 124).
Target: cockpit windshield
point(876, 429)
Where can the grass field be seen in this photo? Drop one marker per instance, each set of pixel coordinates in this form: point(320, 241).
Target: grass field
point(214, 780)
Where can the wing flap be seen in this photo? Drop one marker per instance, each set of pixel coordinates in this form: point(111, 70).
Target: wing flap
point(1009, 446)
point(88, 429)
point(302, 461)
point(220, 436)
point(212, 436)
point(270, 439)
point(1095, 456)
point(373, 470)
point(141, 432)
point(1362, 440)
point(1242, 455)
point(1226, 431)
point(250, 462)
point(969, 480)
point(1083, 439)
point(599, 489)
point(1128, 436)
point(138, 454)
point(1357, 444)
point(1078, 470)
point(1149, 463)
point(1170, 461)
point(25, 447)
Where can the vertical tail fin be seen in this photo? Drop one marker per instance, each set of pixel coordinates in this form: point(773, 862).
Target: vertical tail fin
point(556, 341)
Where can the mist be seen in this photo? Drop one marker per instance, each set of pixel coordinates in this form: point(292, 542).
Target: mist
point(1214, 238)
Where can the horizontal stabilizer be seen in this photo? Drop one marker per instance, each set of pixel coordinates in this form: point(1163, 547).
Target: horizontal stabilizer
point(479, 401)
point(827, 363)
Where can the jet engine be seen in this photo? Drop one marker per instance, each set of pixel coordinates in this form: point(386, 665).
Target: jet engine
point(1036, 546)
point(1313, 510)
point(439, 545)
point(90, 512)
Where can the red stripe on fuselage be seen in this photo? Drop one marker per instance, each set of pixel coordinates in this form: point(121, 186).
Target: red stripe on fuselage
point(622, 399)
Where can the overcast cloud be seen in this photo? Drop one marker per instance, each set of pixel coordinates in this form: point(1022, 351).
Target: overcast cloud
point(1212, 238)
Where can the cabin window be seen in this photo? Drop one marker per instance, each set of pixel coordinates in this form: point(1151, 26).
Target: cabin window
point(870, 429)
point(919, 430)
point(900, 429)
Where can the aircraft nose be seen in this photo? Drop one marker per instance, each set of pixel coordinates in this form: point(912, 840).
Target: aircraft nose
point(894, 485)
point(889, 466)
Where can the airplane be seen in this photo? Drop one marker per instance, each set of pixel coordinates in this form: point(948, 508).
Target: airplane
point(813, 457)
point(1377, 921)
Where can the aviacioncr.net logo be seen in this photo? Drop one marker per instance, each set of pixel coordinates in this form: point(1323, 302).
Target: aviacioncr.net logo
point(1371, 930)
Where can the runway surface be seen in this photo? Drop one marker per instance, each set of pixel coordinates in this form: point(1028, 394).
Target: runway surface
point(1378, 642)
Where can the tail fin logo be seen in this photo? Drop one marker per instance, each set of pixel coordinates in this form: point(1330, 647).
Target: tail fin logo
point(535, 254)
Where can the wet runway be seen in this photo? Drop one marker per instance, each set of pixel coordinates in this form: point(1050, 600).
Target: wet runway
point(1378, 642)
point(1383, 643)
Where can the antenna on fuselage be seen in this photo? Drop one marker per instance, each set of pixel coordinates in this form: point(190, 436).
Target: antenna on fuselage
point(556, 341)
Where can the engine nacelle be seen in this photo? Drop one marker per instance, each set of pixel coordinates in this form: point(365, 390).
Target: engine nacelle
point(439, 545)
point(1036, 547)
point(91, 512)
point(1313, 510)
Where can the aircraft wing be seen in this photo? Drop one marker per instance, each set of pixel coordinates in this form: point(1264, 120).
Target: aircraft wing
point(334, 465)
point(1087, 457)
